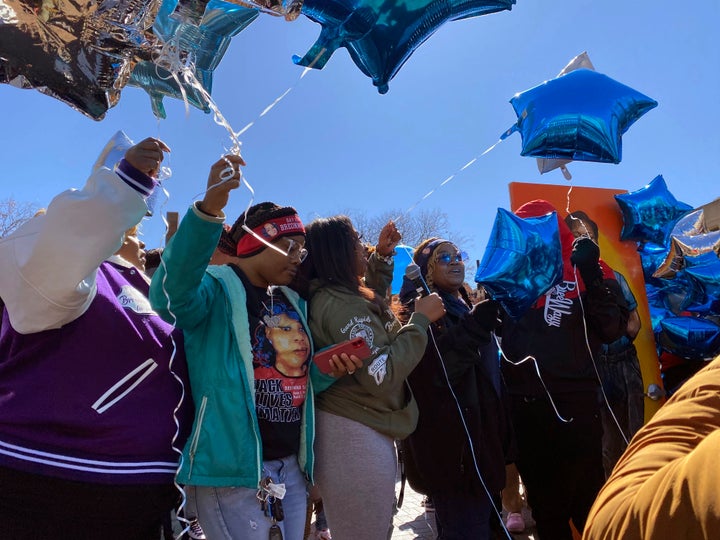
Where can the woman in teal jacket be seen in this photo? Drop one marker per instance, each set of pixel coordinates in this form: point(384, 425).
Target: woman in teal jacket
point(254, 422)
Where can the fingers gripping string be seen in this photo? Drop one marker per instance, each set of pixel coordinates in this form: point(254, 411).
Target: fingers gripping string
point(534, 361)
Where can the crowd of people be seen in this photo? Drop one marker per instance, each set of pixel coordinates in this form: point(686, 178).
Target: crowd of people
point(130, 390)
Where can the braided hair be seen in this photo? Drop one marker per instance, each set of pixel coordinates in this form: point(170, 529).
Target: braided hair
point(255, 216)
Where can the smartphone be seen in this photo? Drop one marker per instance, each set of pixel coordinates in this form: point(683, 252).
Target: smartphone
point(356, 346)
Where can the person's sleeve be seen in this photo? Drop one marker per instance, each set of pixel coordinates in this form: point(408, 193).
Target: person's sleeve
point(179, 291)
point(607, 310)
point(626, 291)
point(665, 485)
point(458, 346)
point(48, 266)
point(393, 358)
point(379, 274)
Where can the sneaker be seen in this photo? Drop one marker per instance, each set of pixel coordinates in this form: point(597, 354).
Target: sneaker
point(515, 522)
point(323, 534)
point(427, 504)
point(195, 531)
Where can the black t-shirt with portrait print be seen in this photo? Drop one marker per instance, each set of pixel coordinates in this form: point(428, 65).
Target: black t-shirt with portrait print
point(281, 351)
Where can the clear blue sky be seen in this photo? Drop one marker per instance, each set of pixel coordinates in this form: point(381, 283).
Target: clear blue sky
point(334, 143)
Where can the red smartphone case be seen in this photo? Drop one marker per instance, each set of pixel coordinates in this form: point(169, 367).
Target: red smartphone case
point(356, 346)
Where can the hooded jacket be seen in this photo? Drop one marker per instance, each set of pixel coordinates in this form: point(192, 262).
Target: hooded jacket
point(376, 395)
point(553, 330)
point(209, 304)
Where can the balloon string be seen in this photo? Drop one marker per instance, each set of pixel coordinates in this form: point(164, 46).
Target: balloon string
point(185, 523)
point(453, 175)
point(534, 361)
point(468, 437)
point(281, 96)
point(567, 199)
point(169, 58)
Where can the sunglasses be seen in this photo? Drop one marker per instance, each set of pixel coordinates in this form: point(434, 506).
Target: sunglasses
point(447, 258)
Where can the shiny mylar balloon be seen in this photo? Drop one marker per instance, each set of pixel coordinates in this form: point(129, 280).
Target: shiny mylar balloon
point(544, 165)
point(657, 315)
point(382, 34)
point(650, 213)
point(689, 239)
point(580, 116)
point(403, 257)
point(690, 337)
point(81, 52)
point(705, 269)
point(192, 49)
point(651, 257)
point(522, 260)
point(682, 293)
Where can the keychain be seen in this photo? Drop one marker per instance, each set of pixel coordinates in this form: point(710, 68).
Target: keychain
point(270, 496)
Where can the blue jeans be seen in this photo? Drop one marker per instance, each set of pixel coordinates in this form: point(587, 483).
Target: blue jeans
point(231, 513)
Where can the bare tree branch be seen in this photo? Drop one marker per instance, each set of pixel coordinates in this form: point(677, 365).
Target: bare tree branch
point(13, 214)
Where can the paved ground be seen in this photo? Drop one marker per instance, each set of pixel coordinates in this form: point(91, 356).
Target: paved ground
point(412, 522)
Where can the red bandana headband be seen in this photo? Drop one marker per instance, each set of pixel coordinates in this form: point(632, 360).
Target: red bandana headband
point(269, 231)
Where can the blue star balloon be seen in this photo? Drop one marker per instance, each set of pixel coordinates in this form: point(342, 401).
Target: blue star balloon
point(580, 116)
point(690, 337)
point(403, 257)
point(650, 213)
point(522, 261)
point(193, 47)
point(380, 35)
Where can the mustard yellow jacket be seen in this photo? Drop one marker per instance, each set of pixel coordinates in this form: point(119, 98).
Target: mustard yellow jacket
point(666, 485)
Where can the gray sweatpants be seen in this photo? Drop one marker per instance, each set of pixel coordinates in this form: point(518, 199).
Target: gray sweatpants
point(355, 469)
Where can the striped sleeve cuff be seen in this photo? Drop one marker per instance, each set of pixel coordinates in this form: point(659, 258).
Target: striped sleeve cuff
point(137, 180)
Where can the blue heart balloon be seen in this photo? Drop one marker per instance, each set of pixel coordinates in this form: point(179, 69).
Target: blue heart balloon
point(579, 116)
point(650, 213)
point(380, 35)
point(403, 257)
point(522, 260)
point(690, 337)
point(197, 42)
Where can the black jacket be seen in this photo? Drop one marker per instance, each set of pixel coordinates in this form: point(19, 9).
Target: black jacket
point(437, 455)
point(554, 333)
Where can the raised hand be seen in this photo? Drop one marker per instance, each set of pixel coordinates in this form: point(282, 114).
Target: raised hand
point(147, 155)
point(388, 239)
point(223, 178)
